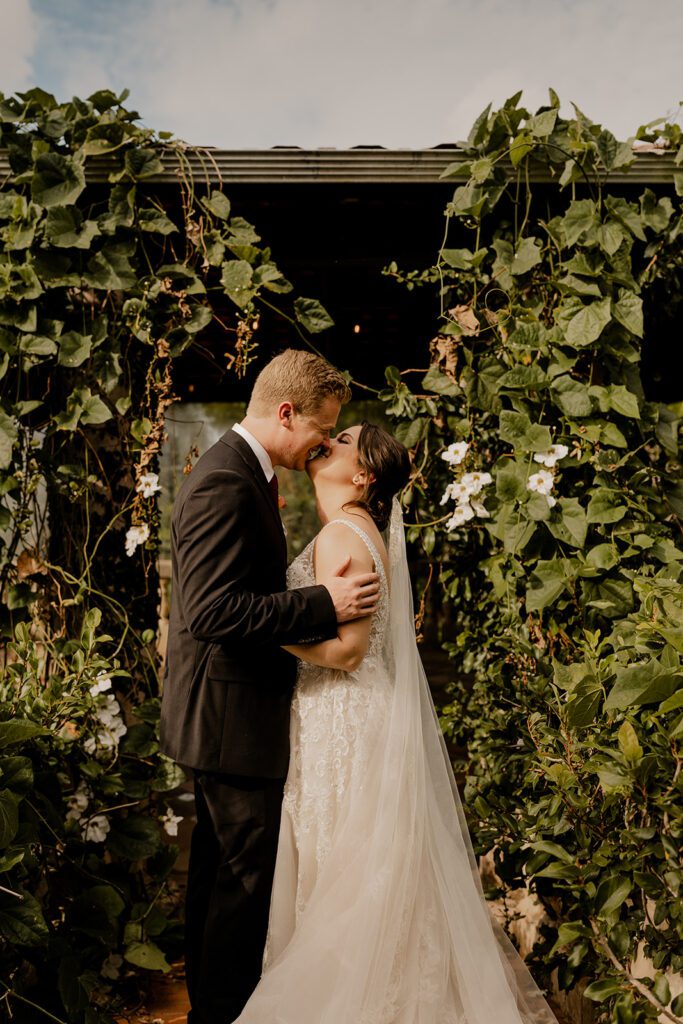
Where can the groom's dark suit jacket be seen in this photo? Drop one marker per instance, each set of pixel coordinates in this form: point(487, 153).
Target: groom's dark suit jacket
point(227, 683)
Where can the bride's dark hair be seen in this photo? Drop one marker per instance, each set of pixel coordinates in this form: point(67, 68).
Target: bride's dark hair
point(388, 461)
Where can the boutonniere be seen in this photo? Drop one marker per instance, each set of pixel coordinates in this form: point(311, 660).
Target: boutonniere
point(281, 503)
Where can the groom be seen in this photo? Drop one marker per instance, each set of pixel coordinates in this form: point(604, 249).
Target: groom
point(228, 684)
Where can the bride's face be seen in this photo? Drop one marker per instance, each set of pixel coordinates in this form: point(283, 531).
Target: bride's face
point(340, 467)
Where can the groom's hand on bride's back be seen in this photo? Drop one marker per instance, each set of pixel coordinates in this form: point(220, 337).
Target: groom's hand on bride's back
point(355, 596)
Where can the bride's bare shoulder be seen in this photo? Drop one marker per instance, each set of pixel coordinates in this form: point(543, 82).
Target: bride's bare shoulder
point(336, 540)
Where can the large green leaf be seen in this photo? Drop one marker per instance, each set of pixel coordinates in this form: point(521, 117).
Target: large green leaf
point(628, 310)
point(236, 279)
point(151, 219)
point(439, 382)
point(517, 429)
point(74, 348)
point(9, 817)
point(18, 730)
point(511, 481)
point(656, 213)
point(617, 397)
point(21, 920)
point(8, 435)
point(527, 255)
point(579, 218)
point(600, 990)
point(142, 163)
point(110, 269)
point(627, 213)
point(134, 837)
point(16, 774)
point(645, 683)
point(64, 228)
point(218, 204)
point(583, 324)
point(94, 411)
point(547, 581)
point(57, 180)
point(572, 525)
point(611, 894)
point(147, 955)
point(312, 315)
point(571, 396)
point(605, 506)
point(628, 742)
point(584, 704)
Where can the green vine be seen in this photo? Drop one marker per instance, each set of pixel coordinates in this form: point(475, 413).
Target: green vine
point(547, 487)
point(104, 285)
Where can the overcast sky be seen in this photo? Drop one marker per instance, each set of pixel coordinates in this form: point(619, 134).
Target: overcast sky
point(258, 73)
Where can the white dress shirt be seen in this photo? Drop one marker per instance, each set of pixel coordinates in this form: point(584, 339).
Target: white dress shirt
point(258, 450)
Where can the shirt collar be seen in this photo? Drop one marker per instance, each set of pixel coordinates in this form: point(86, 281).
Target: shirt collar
point(258, 450)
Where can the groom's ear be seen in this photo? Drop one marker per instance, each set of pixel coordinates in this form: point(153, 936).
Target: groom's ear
point(285, 413)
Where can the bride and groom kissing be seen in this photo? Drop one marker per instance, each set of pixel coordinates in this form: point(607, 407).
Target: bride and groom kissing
point(331, 877)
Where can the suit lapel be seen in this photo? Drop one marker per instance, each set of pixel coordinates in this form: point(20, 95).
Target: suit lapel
point(237, 443)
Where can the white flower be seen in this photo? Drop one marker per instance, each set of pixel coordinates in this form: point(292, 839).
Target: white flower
point(108, 714)
point(552, 455)
point(475, 481)
point(135, 536)
point(148, 484)
point(78, 802)
point(171, 821)
point(456, 491)
point(455, 453)
point(96, 829)
point(461, 514)
point(551, 501)
point(102, 683)
point(111, 967)
point(479, 508)
point(541, 482)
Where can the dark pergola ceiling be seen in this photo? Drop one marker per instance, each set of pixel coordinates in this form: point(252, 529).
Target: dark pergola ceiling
point(334, 219)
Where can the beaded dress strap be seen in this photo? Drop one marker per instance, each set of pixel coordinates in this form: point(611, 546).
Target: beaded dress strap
point(373, 550)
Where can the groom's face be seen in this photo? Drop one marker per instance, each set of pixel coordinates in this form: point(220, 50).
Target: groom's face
point(308, 433)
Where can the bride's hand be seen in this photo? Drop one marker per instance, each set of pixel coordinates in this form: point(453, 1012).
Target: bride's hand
point(353, 597)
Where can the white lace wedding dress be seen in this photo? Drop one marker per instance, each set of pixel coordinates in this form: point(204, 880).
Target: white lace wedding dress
point(377, 914)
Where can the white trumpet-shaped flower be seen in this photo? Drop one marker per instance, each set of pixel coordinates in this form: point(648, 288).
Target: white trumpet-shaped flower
point(542, 482)
point(461, 514)
point(479, 508)
point(456, 491)
point(171, 821)
point(102, 683)
point(148, 484)
point(78, 802)
point(475, 481)
point(96, 829)
point(552, 455)
point(135, 536)
point(455, 453)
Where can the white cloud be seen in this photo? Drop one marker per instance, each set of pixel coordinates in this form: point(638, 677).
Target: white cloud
point(17, 44)
point(257, 73)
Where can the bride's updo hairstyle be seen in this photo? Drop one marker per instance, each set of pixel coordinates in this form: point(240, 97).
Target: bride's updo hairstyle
point(388, 461)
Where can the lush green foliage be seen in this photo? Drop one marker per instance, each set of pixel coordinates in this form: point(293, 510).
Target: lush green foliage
point(102, 286)
point(564, 579)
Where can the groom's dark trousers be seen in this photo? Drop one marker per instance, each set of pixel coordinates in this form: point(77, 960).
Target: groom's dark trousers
point(225, 710)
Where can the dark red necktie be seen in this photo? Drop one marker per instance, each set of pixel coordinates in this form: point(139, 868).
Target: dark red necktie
point(273, 484)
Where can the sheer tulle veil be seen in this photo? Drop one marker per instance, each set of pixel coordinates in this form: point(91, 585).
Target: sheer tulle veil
point(394, 928)
point(493, 982)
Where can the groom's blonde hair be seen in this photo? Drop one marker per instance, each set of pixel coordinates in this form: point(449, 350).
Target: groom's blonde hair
point(299, 377)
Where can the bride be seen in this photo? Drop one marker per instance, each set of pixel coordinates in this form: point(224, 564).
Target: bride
point(377, 913)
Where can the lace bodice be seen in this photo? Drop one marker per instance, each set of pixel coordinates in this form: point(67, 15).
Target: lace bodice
point(301, 573)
